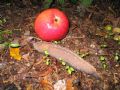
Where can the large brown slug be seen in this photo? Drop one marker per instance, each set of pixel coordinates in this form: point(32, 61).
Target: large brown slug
point(68, 56)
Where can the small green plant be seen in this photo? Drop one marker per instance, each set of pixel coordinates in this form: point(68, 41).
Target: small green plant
point(103, 61)
point(102, 58)
point(47, 62)
point(82, 54)
point(56, 42)
point(108, 27)
point(61, 2)
point(4, 33)
point(117, 57)
point(86, 3)
point(2, 21)
point(112, 33)
point(3, 45)
point(46, 53)
point(69, 69)
point(117, 38)
point(103, 46)
point(62, 61)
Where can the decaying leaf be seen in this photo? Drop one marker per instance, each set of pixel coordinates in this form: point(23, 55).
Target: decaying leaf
point(26, 56)
point(15, 53)
point(29, 87)
point(46, 85)
point(116, 30)
point(69, 85)
point(45, 72)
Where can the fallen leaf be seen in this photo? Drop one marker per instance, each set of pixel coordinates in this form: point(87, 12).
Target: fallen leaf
point(46, 72)
point(15, 53)
point(69, 83)
point(25, 56)
point(46, 85)
point(29, 87)
point(116, 30)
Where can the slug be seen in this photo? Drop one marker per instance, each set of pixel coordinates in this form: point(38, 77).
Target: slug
point(68, 56)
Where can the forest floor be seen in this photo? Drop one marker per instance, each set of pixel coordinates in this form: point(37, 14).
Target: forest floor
point(89, 37)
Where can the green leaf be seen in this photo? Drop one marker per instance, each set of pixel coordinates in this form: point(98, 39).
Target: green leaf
point(50, 1)
point(72, 69)
point(116, 58)
point(47, 61)
point(102, 58)
point(61, 2)
point(69, 71)
point(1, 22)
point(73, 1)
point(14, 45)
point(108, 27)
point(103, 46)
point(47, 3)
point(46, 52)
point(86, 3)
point(4, 20)
point(63, 63)
point(104, 66)
point(117, 38)
point(116, 30)
point(1, 38)
point(67, 67)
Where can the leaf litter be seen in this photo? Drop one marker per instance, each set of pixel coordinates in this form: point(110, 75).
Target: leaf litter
point(31, 70)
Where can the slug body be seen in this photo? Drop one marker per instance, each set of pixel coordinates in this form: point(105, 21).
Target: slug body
point(68, 56)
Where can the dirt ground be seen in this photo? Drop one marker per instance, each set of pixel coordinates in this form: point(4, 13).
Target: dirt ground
point(87, 37)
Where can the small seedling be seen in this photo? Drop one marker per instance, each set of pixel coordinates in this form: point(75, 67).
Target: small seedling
point(102, 58)
point(116, 30)
point(47, 61)
point(69, 69)
point(117, 56)
point(46, 53)
point(83, 54)
point(103, 61)
point(104, 65)
point(56, 42)
point(2, 21)
point(116, 37)
point(60, 59)
point(63, 63)
point(103, 46)
point(108, 27)
point(72, 69)
point(119, 42)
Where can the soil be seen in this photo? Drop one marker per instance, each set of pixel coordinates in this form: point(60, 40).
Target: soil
point(85, 37)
